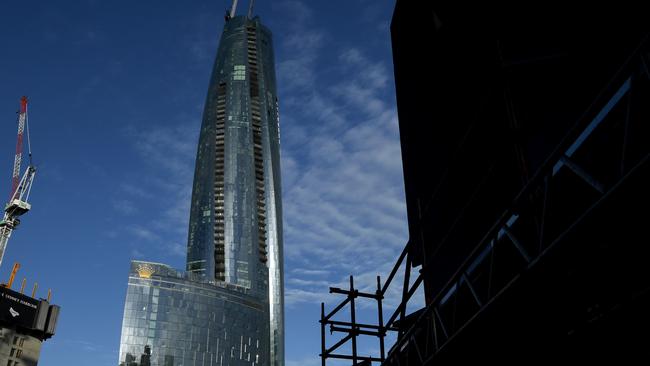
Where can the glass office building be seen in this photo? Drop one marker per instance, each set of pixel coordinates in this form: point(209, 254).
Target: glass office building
point(173, 318)
point(234, 250)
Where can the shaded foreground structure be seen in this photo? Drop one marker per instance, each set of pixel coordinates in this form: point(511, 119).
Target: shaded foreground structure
point(526, 168)
point(25, 323)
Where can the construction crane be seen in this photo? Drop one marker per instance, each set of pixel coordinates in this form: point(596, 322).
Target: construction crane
point(20, 187)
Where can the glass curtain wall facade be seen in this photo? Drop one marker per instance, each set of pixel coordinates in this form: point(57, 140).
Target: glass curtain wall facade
point(235, 232)
point(172, 318)
point(227, 308)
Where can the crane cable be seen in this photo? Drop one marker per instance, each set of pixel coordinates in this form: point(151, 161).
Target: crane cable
point(29, 145)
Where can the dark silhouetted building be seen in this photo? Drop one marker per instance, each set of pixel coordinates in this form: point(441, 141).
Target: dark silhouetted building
point(526, 173)
point(25, 322)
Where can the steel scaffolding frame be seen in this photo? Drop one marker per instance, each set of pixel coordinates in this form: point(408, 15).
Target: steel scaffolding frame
point(352, 328)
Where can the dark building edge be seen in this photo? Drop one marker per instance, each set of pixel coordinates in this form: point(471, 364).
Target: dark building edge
point(480, 119)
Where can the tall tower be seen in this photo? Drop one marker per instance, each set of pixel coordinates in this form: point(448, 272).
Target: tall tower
point(227, 308)
point(235, 232)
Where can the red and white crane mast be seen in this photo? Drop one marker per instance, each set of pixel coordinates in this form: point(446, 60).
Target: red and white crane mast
point(20, 187)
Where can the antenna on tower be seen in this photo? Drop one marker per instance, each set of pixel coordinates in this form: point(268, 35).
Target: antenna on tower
point(250, 9)
point(233, 8)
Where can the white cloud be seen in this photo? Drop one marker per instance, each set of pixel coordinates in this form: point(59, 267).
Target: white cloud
point(302, 282)
point(343, 198)
point(143, 233)
point(168, 148)
point(163, 184)
point(296, 71)
point(371, 74)
point(310, 272)
point(294, 296)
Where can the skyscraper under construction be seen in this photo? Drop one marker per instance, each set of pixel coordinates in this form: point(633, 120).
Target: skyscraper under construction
point(227, 308)
point(235, 230)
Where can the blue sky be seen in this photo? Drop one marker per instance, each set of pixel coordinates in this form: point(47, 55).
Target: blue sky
point(116, 93)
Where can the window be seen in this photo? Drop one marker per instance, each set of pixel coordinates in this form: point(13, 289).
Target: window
point(239, 72)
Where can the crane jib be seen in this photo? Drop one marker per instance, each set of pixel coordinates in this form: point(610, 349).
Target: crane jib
point(18, 203)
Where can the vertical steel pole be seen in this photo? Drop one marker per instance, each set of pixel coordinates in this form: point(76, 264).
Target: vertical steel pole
point(382, 331)
point(322, 333)
point(405, 291)
point(354, 323)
